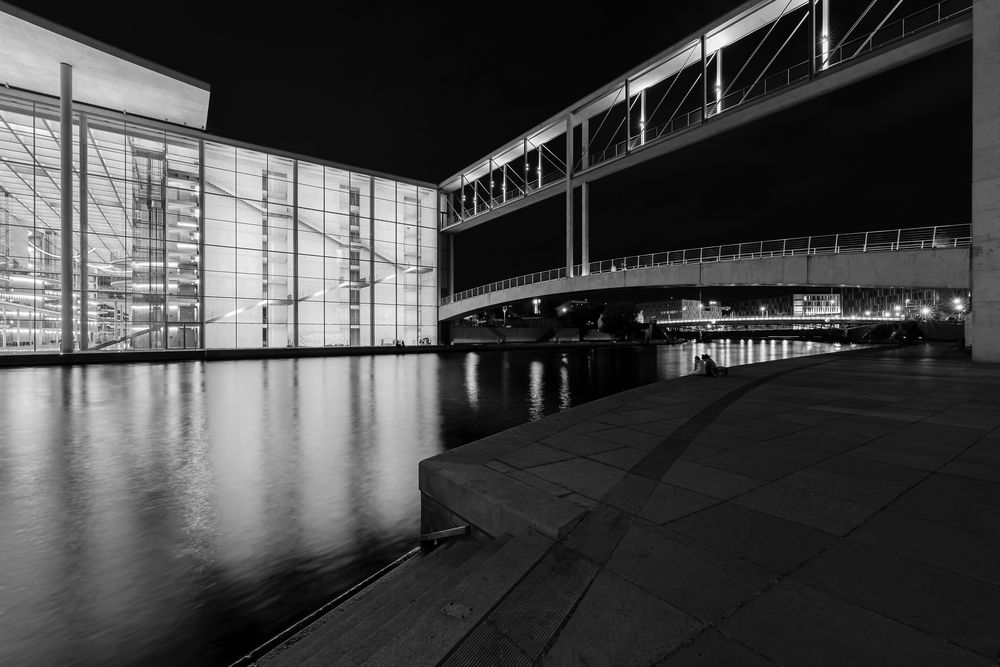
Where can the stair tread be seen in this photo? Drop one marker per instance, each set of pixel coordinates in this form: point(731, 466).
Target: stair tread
point(424, 632)
point(376, 602)
point(407, 581)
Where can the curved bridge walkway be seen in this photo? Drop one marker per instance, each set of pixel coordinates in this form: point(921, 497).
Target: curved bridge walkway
point(916, 257)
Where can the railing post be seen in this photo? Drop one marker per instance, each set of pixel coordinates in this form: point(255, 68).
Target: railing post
point(809, 245)
point(934, 236)
point(836, 244)
point(864, 247)
point(898, 236)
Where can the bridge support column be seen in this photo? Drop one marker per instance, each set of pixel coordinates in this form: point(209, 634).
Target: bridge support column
point(983, 325)
point(569, 195)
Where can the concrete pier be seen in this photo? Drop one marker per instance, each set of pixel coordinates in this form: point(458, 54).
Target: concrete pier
point(840, 509)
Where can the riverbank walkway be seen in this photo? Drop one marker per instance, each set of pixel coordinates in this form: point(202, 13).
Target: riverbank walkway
point(834, 510)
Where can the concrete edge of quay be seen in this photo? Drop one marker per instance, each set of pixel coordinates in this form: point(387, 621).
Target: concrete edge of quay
point(201, 354)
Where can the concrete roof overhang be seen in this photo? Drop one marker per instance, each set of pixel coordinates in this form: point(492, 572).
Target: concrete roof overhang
point(32, 50)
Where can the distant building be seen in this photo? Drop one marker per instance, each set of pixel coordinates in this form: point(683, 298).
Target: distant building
point(678, 309)
point(939, 303)
point(788, 305)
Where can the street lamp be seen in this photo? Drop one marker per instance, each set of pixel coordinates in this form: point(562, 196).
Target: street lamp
point(504, 309)
point(535, 302)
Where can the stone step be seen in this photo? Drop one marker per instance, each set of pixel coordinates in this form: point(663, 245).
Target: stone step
point(377, 602)
point(425, 631)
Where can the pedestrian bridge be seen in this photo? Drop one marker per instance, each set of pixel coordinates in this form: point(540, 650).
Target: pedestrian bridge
point(921, 257)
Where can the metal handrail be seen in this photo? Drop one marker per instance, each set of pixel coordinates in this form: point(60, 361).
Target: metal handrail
point(889, 240)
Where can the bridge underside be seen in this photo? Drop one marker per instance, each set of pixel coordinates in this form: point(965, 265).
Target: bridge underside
point(939, 268)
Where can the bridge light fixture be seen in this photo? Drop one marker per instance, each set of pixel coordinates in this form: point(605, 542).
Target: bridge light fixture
point(925, 311)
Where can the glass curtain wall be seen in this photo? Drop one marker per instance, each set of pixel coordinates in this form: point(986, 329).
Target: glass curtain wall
point(30, 239)
point(167, 253)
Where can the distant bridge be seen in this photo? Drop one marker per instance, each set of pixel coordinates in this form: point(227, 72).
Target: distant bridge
point(921, 257)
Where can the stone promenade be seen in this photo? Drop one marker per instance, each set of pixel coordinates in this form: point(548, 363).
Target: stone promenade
point(835, 510)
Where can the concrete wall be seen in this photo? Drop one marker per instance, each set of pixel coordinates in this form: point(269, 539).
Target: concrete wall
point(983, 331)
point(943, 267)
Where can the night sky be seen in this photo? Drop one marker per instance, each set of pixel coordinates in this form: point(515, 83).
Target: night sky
point(423, 93)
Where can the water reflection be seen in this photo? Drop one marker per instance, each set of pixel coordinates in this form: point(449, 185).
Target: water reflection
point(182, 513)
point(536, 385)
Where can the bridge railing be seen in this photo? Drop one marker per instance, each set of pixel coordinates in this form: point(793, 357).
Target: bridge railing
point(889, 240)
point(884, 35)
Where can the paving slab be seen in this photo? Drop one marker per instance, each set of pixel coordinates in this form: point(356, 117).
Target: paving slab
point(775, 543)
point(889, 473)
point(535, 454)
point(741, 462)
point(963, 487)
point(624, 457)
point(579, 444)
point(795, 624)
point(951, 606)
point(583, 476)
point(807, 507)
point(669, 502)
point(987, 472)
point(787, 450)
point(858, 490)
point(711, 649)
point(933, 543)
point(700, 580)
point(613, 602)
point(708, 480)
point(962, 513)
point(630, 437)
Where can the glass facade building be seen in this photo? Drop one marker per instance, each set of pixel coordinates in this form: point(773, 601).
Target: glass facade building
point(192, 241)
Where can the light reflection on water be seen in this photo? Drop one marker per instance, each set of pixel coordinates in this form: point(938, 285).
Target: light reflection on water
point(159, 514)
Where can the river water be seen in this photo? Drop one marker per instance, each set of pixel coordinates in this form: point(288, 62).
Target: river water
point(182, 513)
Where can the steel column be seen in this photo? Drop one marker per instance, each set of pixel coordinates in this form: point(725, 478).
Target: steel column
point(202, 332)
point(66, 205)
point(812, 38)
point(371, 260)
point(295, 253)
point(825, 36)
point(84, 241)
point(704, 81)
point(642, 117)
point(628, 119)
